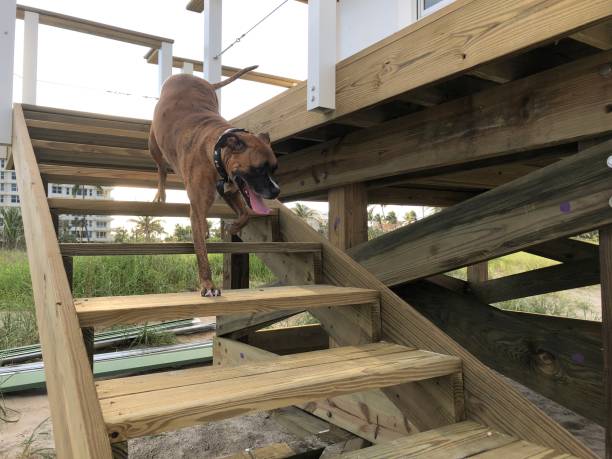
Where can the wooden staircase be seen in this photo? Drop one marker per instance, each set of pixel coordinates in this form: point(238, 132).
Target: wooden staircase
point(410, 368)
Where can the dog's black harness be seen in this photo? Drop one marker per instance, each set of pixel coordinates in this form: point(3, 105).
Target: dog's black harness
point(217, 160)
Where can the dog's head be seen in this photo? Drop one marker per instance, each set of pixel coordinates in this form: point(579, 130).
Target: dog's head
point(249, 162)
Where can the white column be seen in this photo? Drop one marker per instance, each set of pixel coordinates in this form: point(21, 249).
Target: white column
point(212, 40)
point(164, 63)
point(30, 57)
point(8, 10)
point(321, 93)
point(187, 68)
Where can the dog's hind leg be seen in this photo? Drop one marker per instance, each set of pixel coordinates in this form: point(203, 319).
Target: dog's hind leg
point(201, 203)
point(162, 168)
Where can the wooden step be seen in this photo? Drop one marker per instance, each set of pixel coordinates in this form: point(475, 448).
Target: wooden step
point(144, 405)
point(107, 311)
point(171, 248)
point(457, 441)
point(135, 208)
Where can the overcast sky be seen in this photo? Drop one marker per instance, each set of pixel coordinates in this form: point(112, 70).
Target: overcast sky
point(82, 72)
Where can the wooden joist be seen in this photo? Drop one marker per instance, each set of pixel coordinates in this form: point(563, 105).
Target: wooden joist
point(62, 21)
point(454, 40)
point(558, 358)
point(465, 439)
point(154, 209)
point(103, 249)
point(555, 107)
point(565, 250)
point(106, 311)
point(563, 199)
point(599, 36)
point(203, 394)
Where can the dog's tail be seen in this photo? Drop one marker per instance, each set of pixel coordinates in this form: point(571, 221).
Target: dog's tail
point(234, 77)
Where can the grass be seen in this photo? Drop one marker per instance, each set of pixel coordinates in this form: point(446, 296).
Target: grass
point(32, 449)
point(105, 276)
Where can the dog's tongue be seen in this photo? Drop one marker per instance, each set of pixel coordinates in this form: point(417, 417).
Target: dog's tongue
point(257, 203)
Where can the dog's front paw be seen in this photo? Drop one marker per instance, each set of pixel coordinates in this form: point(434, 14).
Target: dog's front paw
point(211, 292)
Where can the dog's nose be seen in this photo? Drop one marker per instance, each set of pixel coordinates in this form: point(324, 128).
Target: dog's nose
point(273, 189)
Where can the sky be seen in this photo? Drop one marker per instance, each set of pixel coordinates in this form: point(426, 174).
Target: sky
point(94, 74)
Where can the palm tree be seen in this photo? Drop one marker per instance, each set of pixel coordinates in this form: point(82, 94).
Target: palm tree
point(148, 227)
point(121, 234)
point(12, 229)
point(410, 217)
point(305, 212)
point(82, 221)
point(391, 218)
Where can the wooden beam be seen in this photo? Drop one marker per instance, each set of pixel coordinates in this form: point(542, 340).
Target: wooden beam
point(488, 398)
point(599, 36)
point(106, 311)
point(559, 361)
point(77, 420)
point(565, 250)
point(348, 216)
point(478, 273)
point(227, 71)
point(605, 258)
point(290, 340)
point(93, 28)
point(565, 198)
point(437, 47)
point(417, 143)
point(538, 282)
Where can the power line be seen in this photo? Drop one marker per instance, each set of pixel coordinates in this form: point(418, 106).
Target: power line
point(237, 40)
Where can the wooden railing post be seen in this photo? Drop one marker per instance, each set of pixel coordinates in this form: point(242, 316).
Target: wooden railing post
point(321, 93)
point(187, 68)
point(165, 63)
point(8, 10)
point(30, 57)
point(605, 260)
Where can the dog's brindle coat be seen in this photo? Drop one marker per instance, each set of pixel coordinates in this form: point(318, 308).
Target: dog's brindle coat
point(185, 129)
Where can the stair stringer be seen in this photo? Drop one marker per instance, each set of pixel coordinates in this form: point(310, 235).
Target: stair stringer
point(489, 399)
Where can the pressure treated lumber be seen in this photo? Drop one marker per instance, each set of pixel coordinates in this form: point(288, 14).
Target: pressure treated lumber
point(489, 400)
point(557, 358)
point(77, 420)
point(155, 209)
point(451, 41)
point(565, 250)
point(555, 107)
point(103, 249)
point(207, 394)
point(566, 198)
point(605, 259)
point(523, 450)
point(106, 311)
point(556, 278)
point(455, 441)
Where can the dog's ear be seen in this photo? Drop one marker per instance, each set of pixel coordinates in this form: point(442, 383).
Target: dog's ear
point(265, 137)
point(233, 142)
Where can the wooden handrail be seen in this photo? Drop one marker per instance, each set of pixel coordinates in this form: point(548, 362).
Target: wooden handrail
point(98, 29)
point(198, 66)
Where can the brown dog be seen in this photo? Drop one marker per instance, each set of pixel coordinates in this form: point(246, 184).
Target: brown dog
point(189, 136)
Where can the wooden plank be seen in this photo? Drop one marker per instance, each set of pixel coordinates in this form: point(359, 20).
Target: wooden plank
point(77, 420)
point(290, 340)
point(412, 196)
point(51, 152)
point(456, 441)
point(478, 273)
point(381, 421)
point(605, 259)
point(565, 250)
point(154, 209)
point(40, 112)
point(523, 450)
point(557, 358)
point(93, 28)
point(565, 198)
point(599, 36)
point(106, 311)
point(153, 55)
point(454, 40)
point(348, 219)
point(489, 400)
point(239, 325)
point(538, 282)
point(544, 108)
point(262, 386)
point(105, 249)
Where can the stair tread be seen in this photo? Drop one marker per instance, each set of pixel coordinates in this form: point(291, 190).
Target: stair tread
point(197, 395)
point(152, 209)
point(97, 249)
point(456, 441)
point(106, 311)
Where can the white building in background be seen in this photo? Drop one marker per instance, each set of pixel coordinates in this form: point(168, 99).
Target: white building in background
point(85, 228)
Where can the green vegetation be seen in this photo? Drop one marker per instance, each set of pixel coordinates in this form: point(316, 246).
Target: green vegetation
point(103, 276)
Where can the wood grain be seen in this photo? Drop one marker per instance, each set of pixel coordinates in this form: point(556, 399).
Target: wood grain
point(605, 259)
point(77, 420)
point(263, 386)
point(106, 311)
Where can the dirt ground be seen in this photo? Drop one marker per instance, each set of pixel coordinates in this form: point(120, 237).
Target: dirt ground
point(221, 438)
